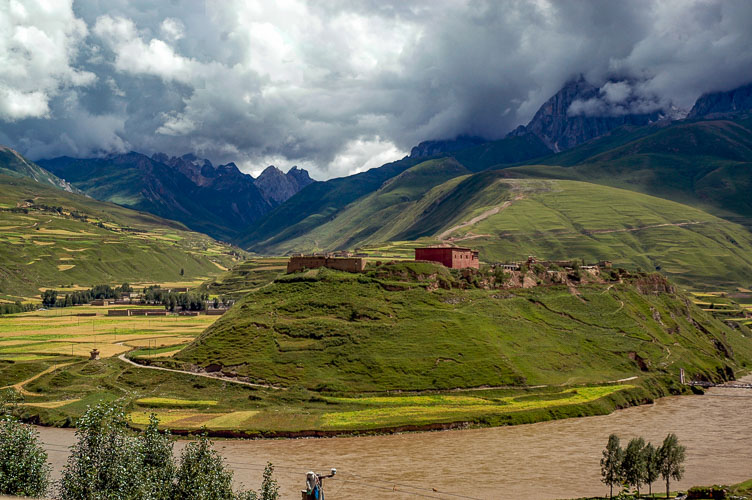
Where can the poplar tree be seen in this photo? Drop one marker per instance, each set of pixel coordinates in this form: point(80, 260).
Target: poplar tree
point(671, 459)
point(611, 463)
point(633, 463)
point(652, 464)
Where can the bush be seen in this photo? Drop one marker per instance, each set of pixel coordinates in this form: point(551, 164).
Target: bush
point(707, 492)
point(106, 462)
point(24, 470)
point(202, 474)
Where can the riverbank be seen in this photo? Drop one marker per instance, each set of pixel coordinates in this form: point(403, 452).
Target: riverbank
point(546, 461)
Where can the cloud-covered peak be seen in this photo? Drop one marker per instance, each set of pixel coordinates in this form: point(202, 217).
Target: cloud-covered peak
point(340, 87)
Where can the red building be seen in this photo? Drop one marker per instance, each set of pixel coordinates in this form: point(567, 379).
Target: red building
point(453, 257)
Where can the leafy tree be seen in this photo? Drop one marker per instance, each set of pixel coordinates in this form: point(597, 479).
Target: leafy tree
point(24, 470)
point(106, 461)
point(202, 474)
point(652, 464)
point(611, 463)
point(671, 460)
point(269, 486)
point(126, 288)
point(182, 271)
point(158, 464)
point(49, 297)
point(633, 464)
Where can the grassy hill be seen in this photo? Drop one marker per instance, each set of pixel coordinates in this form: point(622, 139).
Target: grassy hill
point(404, 346)
point(15, 165)
point(245, 277)
point(401, 327)
point(706, 164)
point(509, 219)
point(52, 238)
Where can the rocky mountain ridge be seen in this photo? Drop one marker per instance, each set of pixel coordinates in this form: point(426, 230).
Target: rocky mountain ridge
point(581, 111)
point(219, 200)
point(722, 104)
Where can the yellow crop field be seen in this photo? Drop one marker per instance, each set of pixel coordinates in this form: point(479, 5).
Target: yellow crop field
point(175, 402)
point(234, 420)
point(434, 412)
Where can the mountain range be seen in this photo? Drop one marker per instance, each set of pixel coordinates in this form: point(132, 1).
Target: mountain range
point(645, 190)
point(220, 201)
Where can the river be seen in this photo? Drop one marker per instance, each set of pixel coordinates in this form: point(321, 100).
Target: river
point(548, 460)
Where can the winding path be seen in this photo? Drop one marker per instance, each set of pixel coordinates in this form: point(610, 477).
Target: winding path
point(206, 375)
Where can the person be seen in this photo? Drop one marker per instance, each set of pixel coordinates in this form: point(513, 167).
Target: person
point(315, 485)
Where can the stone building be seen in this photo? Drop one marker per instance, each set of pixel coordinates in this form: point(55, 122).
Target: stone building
point(349, 264)
point(452, 257)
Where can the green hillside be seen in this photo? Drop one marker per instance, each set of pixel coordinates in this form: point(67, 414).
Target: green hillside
point(245, 277)
point(406, 327)
point(15, 165)
point(705, 164)
point(317, 203)
point(509, 219)
point(52, 238)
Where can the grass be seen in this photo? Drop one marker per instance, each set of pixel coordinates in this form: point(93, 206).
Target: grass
point(426, 409)
point(173, 402)
point(91, 243)
point(342, 343)
point(552, 219)
point(246, 277)
point(330, 331)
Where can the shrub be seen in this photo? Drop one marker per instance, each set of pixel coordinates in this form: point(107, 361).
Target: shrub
point(106, 462)
point(202, 474)
point(24, 470)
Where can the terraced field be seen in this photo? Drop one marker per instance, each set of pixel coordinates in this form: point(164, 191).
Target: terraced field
point(51, 238)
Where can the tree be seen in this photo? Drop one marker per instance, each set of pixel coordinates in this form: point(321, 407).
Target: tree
point(106, 461)
point(671, 456)
point(158, 464)
point(24, 470)
point(126, 288)
point(202, 474)
point(269, 486)
point(611, 463)
point(49, 297)
point(652, 471)
point(182, 271)
point(633, 464)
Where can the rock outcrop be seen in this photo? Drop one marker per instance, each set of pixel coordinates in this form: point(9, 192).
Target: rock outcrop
point(277, 187)
point(722, 104)
point(580, 112)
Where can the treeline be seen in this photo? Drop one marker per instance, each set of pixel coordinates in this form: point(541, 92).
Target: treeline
point(108, 461)
point(641, 464)
point(187, 301)
point(16, 307)
point(51, 298)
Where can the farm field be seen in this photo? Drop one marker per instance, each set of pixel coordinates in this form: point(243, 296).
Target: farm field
point(44, 360)
point(70, 333)
point(50, 238)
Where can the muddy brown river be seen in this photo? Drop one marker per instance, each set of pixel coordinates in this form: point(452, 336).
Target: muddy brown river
point(548, 460)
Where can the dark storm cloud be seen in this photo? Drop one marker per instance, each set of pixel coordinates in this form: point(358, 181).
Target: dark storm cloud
point(339, 86)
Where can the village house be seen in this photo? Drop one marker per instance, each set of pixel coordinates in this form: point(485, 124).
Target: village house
point(452, 257)
point(349, 264)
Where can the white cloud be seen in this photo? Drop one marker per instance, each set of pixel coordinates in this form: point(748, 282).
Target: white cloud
point(340, 86)
point(134, 55)
point(38, 42)
point(173, 29)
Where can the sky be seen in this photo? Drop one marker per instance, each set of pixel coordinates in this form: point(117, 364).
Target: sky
point(339, 86)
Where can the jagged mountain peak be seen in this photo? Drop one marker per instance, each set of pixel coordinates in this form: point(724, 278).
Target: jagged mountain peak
point(721, 104)
point(581, 111)
point(277, 187)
